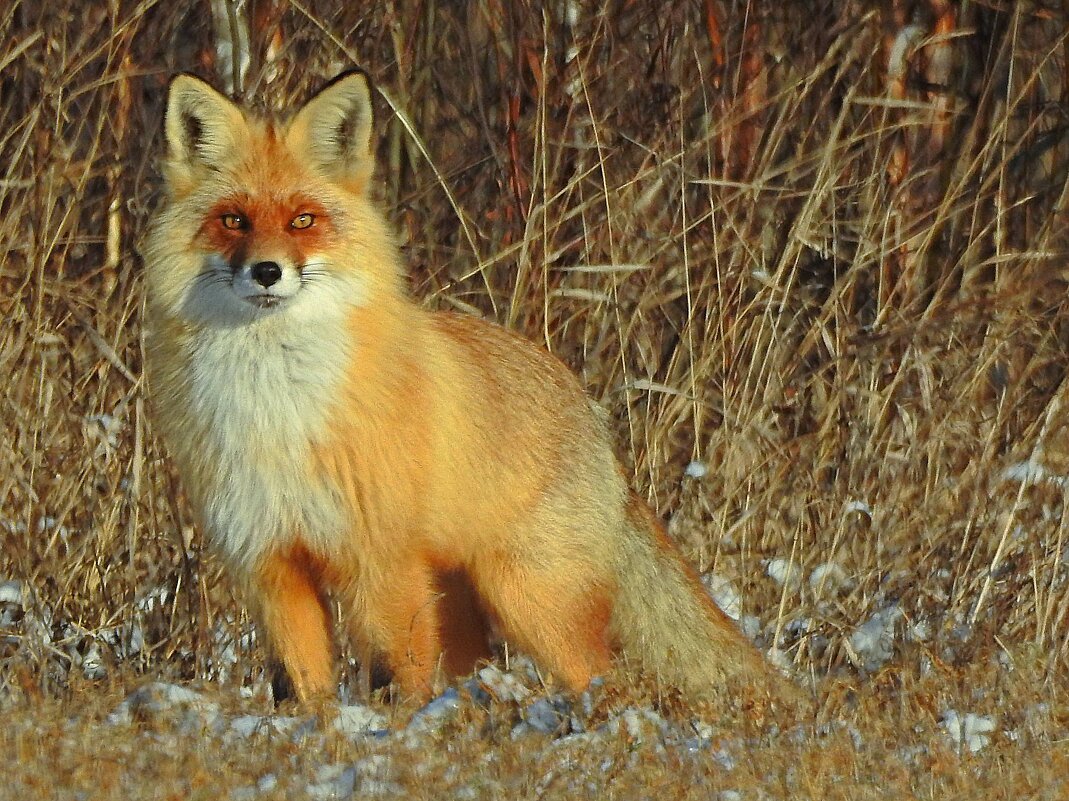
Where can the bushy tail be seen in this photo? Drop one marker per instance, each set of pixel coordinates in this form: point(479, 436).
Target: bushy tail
point(664, 619)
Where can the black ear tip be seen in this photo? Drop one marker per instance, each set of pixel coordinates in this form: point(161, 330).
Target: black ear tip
point(345, 75)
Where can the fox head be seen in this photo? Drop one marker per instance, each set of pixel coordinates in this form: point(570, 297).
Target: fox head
point(264, 216)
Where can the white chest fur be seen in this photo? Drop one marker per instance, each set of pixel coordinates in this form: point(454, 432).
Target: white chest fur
point(260, 394)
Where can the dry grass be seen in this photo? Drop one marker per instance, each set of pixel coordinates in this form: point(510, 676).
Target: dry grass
point(816, 246)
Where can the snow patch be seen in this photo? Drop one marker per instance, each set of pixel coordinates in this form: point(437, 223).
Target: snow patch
point(872, 643)
point(783, 573)
point(245, 726)
point(968, 732)
point(859, 507)
point(11, 592)
point(1032, 472)
point(696, 469)
point(93, 667)
point(434, 714)
point(637, 725)
point(830, 577)
point(724, 594)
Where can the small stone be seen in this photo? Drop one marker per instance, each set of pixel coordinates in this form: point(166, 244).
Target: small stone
point(436, 711)
point(333, 781)
point(546, 716)
point(357, 720)
point(504, 687)
point(160, 702)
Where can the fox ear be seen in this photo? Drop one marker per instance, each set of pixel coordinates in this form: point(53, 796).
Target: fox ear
point(334, 128)
point(202, 127)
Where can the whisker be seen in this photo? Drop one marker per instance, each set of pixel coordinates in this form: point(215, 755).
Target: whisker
point(211, 279)
point(314, 271)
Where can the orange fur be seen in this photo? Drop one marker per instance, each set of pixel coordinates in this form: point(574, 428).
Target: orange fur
point(288, 590)
point(431, 471)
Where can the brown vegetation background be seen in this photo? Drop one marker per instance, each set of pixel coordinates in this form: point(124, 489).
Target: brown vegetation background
point(816, 247)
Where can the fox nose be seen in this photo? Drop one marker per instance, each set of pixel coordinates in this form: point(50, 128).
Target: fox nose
point(266, 273)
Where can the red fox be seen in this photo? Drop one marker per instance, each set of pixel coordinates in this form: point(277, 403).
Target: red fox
point(438, 475)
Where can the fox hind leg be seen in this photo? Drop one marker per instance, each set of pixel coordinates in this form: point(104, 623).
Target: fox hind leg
point(562, 621)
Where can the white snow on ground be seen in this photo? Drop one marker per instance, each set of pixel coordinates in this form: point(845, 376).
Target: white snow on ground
point(544, 716)
point(724, 594)
point(12, 603)
point(872, 643)
point(430, 718)
point(332, 781)
point(968, 732)
point(1032, 471)
point(105, 430)
point(858, 506)
point(696, 470)
point(11, 593)
point(780, 660)
point(93, 667)
point(782, 571)
point(829, 578)
point(29, 621)
point(233, 639)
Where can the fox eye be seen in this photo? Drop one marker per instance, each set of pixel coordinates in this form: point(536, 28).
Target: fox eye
point(234, 222)
point(302, 221)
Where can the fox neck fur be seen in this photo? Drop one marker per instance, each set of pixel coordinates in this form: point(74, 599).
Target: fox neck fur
point(254, 410)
